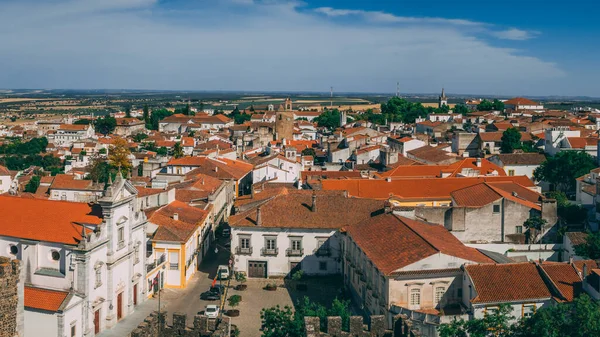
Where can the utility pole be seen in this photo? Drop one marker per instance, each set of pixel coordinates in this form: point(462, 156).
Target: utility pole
point(331, 96)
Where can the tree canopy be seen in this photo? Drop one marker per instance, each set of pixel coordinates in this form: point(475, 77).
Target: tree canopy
point(511, 140)
point(146, 115)
point(591, 248)
point(157, 116)
point(282, 322)
point(106, 125)
point(495, 105)
point(34, 146)
point(177, 150)
point(460, 109)
point(33, 184)
point(576, 319)
point(400, 110)
point(562, 169)
point(329, 119)
point(240, 117)
point(118, 154)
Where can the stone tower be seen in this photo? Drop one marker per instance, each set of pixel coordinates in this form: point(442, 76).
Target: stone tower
point(288, 104)
point(443, 99)
point(11, 297)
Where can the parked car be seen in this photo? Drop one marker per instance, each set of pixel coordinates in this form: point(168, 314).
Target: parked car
point(213, 294)
point(226, 232)
point(223, 272)
point(212, 311)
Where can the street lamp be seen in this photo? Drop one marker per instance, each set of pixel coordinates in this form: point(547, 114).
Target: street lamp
point(159, 289)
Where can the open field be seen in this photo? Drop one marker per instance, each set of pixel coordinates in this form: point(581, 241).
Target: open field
point(24, 99)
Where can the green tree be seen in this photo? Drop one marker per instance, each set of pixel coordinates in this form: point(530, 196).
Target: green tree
point(33, 184)
point(511, 140)
point(497, 105)
point(562, 169)
point(99, 169)
point(162, 151)
point(106, 125)
point(156, 117)
point(494, 324)
point(139, 137)
point(177, 150)
point(128, 111)
point(309, 152)
point(534, 224)
point(83, 121)
point(461, 109)
point(239, 117)
point(146, 115)
point(329, 119)
point(591, 248)
point(400, 110)
point(577, 319)
point(278, 322)
point(485, 105)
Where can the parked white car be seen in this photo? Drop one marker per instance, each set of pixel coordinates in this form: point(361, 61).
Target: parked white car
point(223, 272)
point(211, 311)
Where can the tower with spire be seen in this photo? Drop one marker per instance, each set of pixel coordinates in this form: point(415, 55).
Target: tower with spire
point(443, 99)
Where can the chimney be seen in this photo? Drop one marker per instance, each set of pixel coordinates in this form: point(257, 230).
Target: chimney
point(478, 162)
point(314, 202)
point(258, 217)
point(388, 179)
point(175, 216)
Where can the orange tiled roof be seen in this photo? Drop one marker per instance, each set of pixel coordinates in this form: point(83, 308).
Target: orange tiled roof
point(413, 189)
point(4, 171)
point(520, 101)
point(68, 182)
point(496, 283)
point(288, 209)
point(44, 299)
point(565, 278)
point(46, 220)
point(582, 142)
point(73, 127)
point(379, 238)
point(169, 229)
point(485, 193)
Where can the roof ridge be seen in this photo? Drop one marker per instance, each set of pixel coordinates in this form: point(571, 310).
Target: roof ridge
point(419, 235)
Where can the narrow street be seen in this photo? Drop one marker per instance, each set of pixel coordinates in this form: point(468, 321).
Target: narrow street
point(188, 300)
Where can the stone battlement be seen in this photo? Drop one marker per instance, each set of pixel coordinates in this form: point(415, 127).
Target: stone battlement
point(312, 326)
point(203, 326)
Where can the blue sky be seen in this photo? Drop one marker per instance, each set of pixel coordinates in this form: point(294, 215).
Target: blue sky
point(509, 47)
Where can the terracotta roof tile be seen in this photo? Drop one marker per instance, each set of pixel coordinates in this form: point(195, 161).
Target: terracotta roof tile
point(46, 220)
point(565, 278)
point(292, 209)
point(379, 238)
point(582, 142)
point(44, 299)
point(520, 101)
point(577, 238)
point(68, 182)
point(496, 283)
point(426, 188)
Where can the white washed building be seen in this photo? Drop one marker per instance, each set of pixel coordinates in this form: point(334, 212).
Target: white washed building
point(84, 262)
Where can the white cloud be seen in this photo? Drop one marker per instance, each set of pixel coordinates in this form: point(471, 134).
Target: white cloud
point(515, 34)
point(378, 16)
point(263, 46)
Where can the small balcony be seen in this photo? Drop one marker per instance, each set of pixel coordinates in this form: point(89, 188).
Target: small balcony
point(269, 252)
point(243, 251)
point(294, 252)
point(156, 263)
point(324, 251)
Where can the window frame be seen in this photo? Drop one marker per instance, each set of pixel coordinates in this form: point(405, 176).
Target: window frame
point(414, 293)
